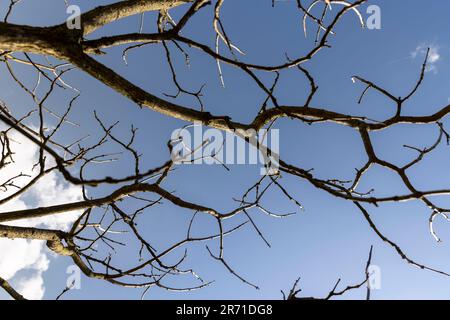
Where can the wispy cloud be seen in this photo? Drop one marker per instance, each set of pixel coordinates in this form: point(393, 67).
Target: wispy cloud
point(21, 256)
point(433, 56)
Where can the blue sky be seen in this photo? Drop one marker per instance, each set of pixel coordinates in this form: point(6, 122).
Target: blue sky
point(330, 239)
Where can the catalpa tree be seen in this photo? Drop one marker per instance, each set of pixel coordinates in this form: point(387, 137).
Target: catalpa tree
point(102, 214)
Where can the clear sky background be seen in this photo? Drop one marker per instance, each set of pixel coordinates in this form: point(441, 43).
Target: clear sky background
point(330, 239)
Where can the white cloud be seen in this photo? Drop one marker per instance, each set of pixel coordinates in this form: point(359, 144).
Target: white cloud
point(433, 56)
point(19, 254)
point(32, 287)
point(25, 255)
point(51, 191)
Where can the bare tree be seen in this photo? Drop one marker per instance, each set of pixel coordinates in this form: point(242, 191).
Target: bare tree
point(295, 291)
point(55, 51)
